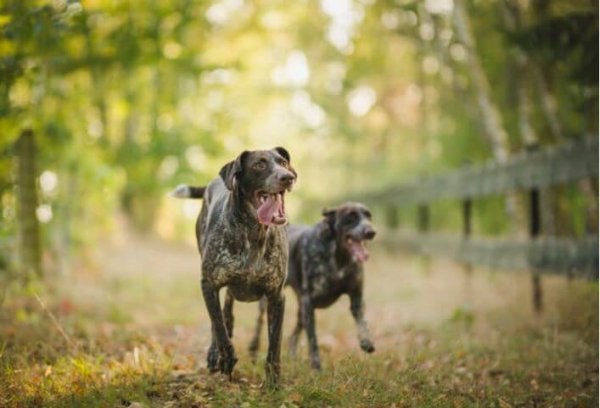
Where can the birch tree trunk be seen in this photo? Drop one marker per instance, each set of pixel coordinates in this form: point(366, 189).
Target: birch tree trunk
point(547, 102)
point(29, 236)
point(492, 121)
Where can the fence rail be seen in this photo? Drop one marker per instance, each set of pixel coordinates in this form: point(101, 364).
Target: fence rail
point(543, 168)
point(529, 171)
point(569, 257)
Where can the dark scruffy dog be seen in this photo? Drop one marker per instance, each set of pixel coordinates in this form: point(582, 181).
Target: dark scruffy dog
point(326, 261)
point(243, 245)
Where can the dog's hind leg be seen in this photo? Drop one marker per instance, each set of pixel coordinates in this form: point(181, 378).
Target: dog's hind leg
point(293, 342)
point(227, 357)
point(255, 343)
point(275, 311)
point(228, 313)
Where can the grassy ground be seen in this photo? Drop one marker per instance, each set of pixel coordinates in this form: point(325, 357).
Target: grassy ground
point(136, 333)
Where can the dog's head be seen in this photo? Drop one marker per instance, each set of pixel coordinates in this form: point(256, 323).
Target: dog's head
point(262, 177)
point(350, 224)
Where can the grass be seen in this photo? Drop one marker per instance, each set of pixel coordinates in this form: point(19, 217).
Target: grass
point(137, 332)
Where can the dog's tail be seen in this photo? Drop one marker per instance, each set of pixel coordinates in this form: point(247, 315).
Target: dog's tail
point(185, 191)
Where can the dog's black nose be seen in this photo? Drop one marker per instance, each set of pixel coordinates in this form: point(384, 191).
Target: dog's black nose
point(287, 178)
point(370, 234)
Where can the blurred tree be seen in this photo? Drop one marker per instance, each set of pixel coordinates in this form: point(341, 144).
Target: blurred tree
point(29, 243)
point(129, 98)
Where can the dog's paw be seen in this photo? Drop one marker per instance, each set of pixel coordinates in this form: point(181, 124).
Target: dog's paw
point(227, 361)
point(272, 376)
point(367, 346)
point(316, 364)
point(212, 359)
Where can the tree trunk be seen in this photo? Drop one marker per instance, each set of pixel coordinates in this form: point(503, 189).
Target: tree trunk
point(547, 102)
point(492, 121)
point(494, 129)
point(29, 235)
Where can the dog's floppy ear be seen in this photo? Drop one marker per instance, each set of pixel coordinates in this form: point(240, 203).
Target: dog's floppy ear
point(329, 213)
point(230, 172)
point(328, 229)
point(284, 153)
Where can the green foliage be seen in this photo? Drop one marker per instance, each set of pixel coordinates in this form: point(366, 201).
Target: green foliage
point(572, 37)
point(128, 99)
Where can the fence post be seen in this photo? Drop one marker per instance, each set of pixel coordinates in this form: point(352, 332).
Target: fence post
point(423, 227)
point(467, 206)
point(535, 224)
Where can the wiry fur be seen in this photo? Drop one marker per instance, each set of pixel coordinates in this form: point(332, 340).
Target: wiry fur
point(321, 269)
point(240, 253)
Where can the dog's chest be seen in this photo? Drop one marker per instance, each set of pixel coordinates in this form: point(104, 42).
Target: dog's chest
point(242, 262)
point(326, 279)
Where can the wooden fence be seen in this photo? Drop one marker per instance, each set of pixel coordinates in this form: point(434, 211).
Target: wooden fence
point(530, 171)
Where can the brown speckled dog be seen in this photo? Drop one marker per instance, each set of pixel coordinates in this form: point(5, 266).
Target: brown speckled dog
point(243, 245)
point(326, 261)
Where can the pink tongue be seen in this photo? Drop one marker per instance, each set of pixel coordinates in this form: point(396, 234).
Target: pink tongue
point(359, 251)
point(268, 208)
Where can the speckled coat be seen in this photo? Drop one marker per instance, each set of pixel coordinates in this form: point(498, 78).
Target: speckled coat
point(239, 252)
point(320, 270)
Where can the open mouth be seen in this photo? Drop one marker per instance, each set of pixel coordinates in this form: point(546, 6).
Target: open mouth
point(357, 249)
point(271, 208)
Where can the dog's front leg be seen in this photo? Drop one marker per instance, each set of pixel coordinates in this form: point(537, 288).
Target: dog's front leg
point(308, 320)
point(275, 311)
point(357, 308)
point(227, 357)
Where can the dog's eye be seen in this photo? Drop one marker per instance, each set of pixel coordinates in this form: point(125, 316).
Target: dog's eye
point(260, 165)
point(351, 217)
point(368, 214)
point(282, 162)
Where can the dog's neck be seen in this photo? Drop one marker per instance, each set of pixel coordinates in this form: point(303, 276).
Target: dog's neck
point(341, 254)
point(241, 209)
